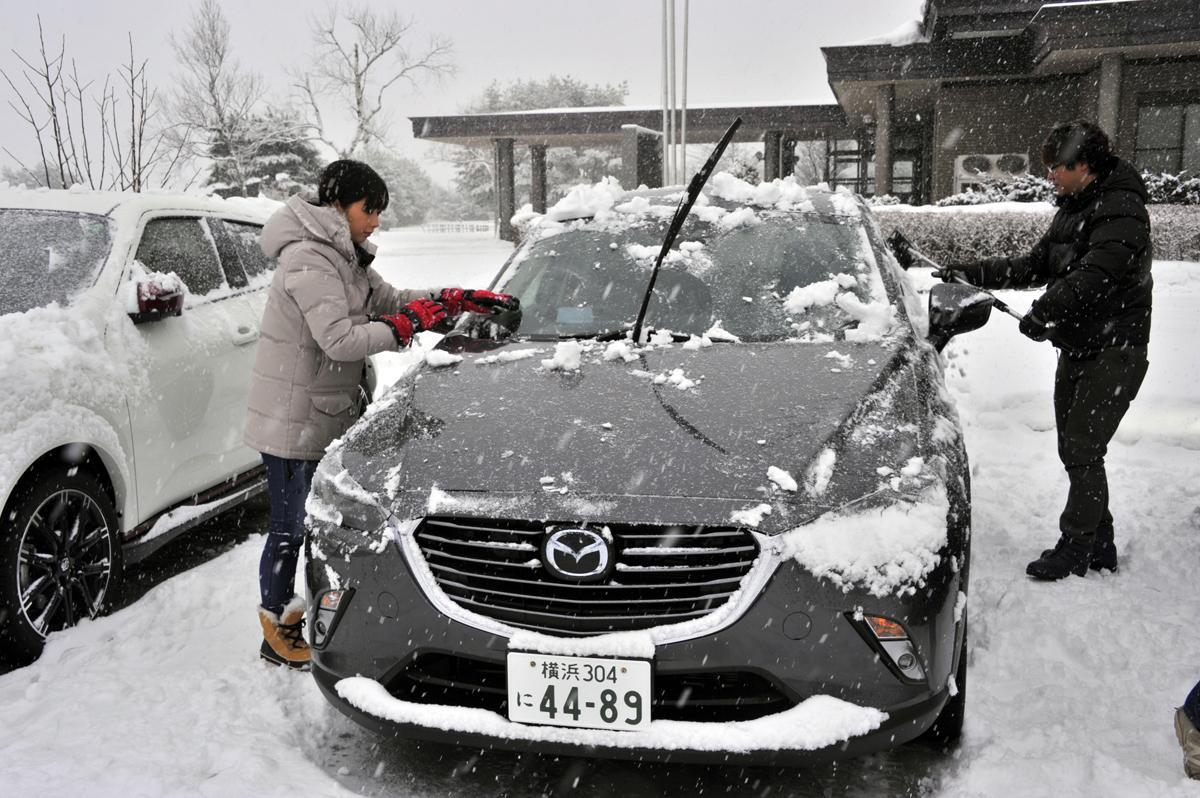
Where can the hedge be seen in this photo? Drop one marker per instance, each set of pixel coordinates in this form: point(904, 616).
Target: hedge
point(950, 235)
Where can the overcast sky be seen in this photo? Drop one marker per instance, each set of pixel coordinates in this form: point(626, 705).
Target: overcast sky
point(752, 51)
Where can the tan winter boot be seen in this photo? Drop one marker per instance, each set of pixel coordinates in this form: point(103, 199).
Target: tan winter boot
point(1189, 738)
point(283, 636)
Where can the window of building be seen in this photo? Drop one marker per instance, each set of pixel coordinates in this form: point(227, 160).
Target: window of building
point(848, 167)
point(1168, 138)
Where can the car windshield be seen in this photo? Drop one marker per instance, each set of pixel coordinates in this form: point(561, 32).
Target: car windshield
point(49, 256)
point(771, 275)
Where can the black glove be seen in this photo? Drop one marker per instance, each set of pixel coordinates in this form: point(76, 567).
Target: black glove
point(1034, 328)
point(951, 273)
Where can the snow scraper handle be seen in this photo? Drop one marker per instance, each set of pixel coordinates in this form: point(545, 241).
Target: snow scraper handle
point(905, 252)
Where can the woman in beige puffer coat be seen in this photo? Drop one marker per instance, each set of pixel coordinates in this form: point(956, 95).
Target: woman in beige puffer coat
point(327, 311)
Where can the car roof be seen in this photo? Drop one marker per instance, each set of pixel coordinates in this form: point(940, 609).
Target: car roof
point(724, 190)
point(108, 203)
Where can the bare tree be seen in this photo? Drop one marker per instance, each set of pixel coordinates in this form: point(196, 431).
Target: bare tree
point(87, 135)
point(360, 54)
point(215, 107)
point(812, 161)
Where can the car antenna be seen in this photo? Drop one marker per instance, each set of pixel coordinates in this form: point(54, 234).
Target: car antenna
point(685, 205)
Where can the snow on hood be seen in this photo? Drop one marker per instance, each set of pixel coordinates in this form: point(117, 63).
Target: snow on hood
point(887, 550)
point(817, 722)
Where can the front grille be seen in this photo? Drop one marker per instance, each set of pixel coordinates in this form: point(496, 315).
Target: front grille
point(715, 696)
point(663, 574)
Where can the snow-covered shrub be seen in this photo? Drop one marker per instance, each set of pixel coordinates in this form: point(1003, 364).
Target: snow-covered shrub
point(1022, 188)
point(1171, 189)
point(955, 237)
point(883, 199)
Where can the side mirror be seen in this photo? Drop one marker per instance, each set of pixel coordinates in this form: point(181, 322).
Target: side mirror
point(955, 309)
point(155, 296)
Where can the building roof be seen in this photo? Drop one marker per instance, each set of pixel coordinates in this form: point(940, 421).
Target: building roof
point(979, 40)
point(571, 127)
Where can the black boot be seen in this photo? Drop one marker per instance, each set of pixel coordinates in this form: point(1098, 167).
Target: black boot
point(1069, 556)
point(1104, 550)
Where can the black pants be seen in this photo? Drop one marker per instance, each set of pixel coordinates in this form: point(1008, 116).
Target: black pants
point(1090, 399)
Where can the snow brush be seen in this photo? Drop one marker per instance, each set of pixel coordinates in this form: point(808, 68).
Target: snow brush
point(906, 254)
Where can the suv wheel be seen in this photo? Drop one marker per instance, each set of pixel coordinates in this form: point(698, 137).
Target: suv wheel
point(60, 557)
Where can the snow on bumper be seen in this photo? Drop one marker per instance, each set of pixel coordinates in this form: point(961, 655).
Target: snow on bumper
point(818, 722)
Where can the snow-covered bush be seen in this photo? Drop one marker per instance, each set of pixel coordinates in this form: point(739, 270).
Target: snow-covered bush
point(958, 236)
point(883, 199)
point(1022, 188)
point(1170, 189)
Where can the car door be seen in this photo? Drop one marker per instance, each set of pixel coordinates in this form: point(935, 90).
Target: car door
point(187, 421)
point(249, 273)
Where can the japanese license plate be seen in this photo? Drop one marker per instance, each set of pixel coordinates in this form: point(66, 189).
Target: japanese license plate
point(583, 692)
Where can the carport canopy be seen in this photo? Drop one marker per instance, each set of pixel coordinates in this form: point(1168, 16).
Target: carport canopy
point(634, 130)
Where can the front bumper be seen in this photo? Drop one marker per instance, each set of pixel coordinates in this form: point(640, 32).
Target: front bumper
point(803, 682)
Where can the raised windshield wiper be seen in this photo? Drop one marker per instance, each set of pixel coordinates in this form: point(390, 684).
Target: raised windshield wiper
point(685, 205)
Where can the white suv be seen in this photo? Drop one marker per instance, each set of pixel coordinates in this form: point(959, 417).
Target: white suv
point(128, 325)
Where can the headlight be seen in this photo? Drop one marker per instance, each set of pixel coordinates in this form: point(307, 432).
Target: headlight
point(337, 499)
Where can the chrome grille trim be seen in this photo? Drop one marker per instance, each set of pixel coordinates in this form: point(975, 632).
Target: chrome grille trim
point(684, 574)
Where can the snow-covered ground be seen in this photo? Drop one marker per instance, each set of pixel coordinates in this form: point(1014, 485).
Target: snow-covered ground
point(1071, 685)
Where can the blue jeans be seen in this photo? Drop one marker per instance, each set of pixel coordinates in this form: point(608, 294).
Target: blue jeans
point(288, 482)
point(1191, 706)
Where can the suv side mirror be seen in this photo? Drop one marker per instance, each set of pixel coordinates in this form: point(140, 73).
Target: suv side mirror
point(955, 309)
point(155, 296)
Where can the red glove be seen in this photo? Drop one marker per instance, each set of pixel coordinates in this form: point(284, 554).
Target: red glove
point(457, 300)
point(418, 315)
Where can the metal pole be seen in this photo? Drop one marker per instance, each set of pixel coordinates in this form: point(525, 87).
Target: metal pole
point(683, 81)
point(671, 91)
point(666, 143)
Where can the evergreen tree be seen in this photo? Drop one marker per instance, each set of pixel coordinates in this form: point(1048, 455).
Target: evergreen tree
point(282, 161)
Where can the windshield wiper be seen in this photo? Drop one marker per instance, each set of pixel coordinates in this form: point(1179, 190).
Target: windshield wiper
point(602, 335)
point(685, 205)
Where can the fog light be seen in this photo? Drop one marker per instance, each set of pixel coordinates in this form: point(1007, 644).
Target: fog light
point(892, 641)
point(885, 628)
point(330, 606)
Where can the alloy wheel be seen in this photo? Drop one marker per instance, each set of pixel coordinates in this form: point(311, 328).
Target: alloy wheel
point(64, 563)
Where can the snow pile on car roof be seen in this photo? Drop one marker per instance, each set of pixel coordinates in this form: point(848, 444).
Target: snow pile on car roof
point(605, 199)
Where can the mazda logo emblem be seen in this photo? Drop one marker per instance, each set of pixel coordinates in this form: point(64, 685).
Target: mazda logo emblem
point(576, 555)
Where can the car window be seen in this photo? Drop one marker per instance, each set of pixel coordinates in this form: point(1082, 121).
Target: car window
point(49, 256)
point(245, 241)
point(231, 262)
point(778, 278)
point(182, 246)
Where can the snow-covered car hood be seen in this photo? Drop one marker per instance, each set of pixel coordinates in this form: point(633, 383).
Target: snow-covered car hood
point(514, 438)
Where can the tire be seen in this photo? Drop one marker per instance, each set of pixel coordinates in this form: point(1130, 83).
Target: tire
point(60, 557)
point(947, 729)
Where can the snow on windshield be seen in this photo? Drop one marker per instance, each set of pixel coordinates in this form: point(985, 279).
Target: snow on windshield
point(774, 261)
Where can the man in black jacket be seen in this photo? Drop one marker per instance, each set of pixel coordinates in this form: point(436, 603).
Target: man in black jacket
point(1095, 263)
